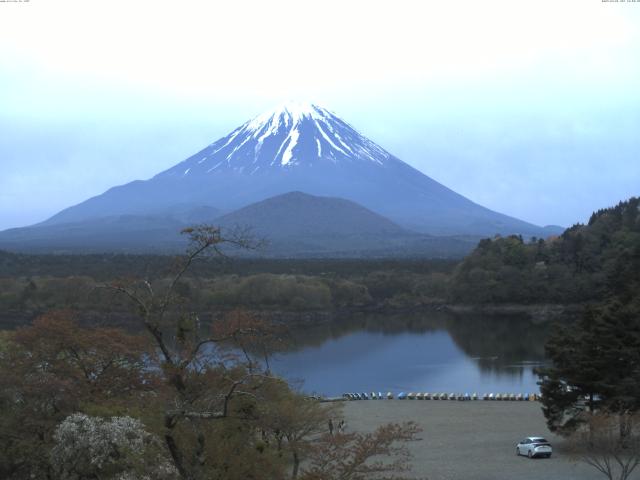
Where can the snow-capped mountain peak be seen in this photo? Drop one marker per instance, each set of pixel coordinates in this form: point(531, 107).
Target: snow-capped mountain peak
point(290, 113)
point(293, 134)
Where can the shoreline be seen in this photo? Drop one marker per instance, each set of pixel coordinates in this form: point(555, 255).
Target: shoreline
point(537, 313)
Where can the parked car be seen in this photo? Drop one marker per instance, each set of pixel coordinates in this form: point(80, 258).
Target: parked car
point(534, 447)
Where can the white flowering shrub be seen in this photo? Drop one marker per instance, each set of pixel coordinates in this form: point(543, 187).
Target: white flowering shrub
point(118, 448)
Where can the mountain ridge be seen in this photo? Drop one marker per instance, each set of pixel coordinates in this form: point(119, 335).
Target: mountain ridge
point(294, 225)
point(305, 148)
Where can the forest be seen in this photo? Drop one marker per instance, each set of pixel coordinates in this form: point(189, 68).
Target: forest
point(133, 367)
point(583, 265)
point(170, 399)
point(587, 263)
point(31, 285)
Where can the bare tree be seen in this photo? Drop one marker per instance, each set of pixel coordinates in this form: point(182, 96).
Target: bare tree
point(199, 381)
point(600, 444)
point(381, 454)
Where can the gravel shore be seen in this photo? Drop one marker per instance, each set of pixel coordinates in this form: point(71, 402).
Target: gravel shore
point(471, 440)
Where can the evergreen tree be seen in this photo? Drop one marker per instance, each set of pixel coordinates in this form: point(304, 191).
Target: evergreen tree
point(595, 366)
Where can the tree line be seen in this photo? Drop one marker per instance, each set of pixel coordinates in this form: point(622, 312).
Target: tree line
point(586, 264)
point(175, 401)
point(294, 291)
point(591, 388)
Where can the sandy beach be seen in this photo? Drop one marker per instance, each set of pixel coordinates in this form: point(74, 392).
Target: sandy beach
point(471, 440)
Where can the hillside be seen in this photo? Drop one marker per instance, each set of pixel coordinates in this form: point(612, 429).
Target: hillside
point(298, 214)
point(587, 263)
point(293, 225)
point(297, 225)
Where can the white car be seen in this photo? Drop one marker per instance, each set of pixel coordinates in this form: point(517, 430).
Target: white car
point(534, 447)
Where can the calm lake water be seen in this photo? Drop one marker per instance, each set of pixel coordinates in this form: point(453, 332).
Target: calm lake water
point(429, 353)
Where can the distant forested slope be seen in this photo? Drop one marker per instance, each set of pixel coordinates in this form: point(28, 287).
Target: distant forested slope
point(587, 263)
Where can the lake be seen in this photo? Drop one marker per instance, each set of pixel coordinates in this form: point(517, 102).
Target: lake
point(433, 352)
point(430, 352)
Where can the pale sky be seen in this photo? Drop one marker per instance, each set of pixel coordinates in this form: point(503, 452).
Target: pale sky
point(530, 108)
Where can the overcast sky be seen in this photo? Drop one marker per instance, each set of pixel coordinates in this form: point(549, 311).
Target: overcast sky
point(531, 108)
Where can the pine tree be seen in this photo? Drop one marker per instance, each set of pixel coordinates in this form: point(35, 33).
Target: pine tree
point(595, 366)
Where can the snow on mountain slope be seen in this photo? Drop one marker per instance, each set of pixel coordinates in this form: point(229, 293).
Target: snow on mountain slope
point(293, 134)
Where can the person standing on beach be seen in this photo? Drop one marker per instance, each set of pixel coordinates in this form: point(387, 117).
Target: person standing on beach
point(330, 426)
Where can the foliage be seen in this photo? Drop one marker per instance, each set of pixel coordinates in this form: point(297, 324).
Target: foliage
point(23, 297)
point(355, 456)
point(293, 423)
point(199, 383)
point(75, 398)
point(217, 403)
point(106, 266)
point(116, 448)
point(53, 369)
point(585, 264)
point(595, 364)
point(290, 292)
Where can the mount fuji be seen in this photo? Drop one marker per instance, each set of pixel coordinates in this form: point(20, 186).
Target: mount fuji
point(294, 148)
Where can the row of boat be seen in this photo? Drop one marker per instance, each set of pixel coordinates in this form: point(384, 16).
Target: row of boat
point(531, 397)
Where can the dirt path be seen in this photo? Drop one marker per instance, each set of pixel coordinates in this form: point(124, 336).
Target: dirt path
point(471, 440)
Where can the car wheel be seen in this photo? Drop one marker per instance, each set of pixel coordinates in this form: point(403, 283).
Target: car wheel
point(518, 451)
point(530, 455)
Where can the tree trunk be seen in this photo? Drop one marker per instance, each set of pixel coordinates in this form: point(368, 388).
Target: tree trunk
point(296, 465)
point(624, 422)
point(175, 452)
point(200, 455)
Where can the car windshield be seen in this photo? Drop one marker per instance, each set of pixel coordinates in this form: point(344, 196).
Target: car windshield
point(539, 440)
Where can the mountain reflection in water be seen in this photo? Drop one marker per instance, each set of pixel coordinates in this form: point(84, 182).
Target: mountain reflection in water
point(431, 352)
